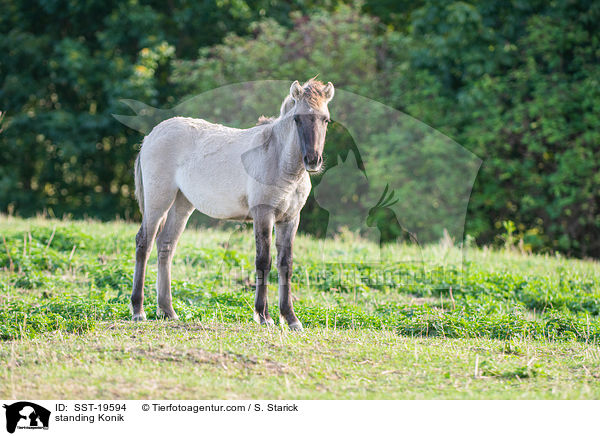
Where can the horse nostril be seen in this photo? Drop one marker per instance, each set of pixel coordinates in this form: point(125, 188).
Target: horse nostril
point(312, 163)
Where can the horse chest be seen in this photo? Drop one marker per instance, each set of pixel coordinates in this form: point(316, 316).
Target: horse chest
point(293, 201)
point(285, 201)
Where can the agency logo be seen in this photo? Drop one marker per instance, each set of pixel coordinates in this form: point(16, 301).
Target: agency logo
point(26, 415)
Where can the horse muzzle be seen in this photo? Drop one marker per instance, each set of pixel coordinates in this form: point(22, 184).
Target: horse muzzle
point(313, 164)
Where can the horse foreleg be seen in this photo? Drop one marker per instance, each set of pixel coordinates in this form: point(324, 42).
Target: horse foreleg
point(285, 232)
point(263, 229)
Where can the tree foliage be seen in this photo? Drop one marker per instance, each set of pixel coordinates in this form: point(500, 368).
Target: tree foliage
point(514, 82)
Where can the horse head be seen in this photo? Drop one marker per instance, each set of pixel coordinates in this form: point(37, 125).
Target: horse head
point(311, 116)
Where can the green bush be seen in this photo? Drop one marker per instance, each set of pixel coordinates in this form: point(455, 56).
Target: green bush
point(516, 83)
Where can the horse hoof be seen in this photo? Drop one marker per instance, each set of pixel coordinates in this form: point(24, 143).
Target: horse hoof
point(267, 322)
point(166, 315)
point(262, 320)
point(296, 326)
point(139, 317)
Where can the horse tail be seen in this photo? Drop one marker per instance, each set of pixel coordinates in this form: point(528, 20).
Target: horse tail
point(139, 185)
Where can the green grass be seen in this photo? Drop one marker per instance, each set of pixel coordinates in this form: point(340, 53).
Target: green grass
point(426, 323)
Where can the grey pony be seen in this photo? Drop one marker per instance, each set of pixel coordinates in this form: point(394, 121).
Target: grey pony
point(260, 174)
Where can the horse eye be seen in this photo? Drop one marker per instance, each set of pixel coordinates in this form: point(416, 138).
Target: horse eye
point(296, 118)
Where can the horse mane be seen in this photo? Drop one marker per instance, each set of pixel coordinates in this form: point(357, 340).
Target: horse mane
point(313, 94)
point(265, 120)
point(286, 106)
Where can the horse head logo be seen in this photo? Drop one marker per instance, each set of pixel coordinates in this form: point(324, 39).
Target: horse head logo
point(27, 415)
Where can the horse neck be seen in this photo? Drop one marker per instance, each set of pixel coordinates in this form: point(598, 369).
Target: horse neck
point(288, 148)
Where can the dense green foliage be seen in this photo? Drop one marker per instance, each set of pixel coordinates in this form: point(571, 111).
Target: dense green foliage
point(514, 82)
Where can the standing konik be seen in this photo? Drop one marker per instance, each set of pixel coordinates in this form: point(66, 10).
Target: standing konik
point(259, 174)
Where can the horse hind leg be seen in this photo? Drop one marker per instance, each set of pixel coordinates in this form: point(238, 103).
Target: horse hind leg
point(155, 211)
point(177, 218)
point(143, 247)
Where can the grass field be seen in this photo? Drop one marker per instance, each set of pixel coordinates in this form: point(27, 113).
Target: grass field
point(424, 323)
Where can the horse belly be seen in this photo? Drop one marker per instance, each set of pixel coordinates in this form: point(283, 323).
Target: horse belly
point(222, 207)
point(215, 195)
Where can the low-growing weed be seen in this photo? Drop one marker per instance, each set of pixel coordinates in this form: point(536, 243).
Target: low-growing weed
point(69, 276)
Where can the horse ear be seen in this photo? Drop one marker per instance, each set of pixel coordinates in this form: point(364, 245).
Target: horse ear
point(296, 90)
point(329, 91)
point(286, 106)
